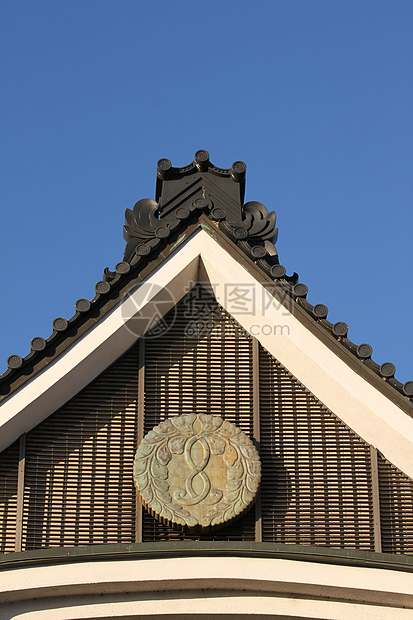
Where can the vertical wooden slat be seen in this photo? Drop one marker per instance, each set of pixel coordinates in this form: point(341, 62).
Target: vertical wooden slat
point(20, 492)
point(376, 499)
point(140, 427)
point(256, 426)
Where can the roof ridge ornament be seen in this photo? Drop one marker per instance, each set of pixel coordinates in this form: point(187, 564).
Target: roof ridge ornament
point(190, 190)
point(169, 178)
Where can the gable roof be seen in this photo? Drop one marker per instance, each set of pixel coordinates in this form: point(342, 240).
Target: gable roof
point(200, 230)
point(185, 197)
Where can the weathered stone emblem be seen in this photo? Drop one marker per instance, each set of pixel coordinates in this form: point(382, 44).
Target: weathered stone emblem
point(197, 470)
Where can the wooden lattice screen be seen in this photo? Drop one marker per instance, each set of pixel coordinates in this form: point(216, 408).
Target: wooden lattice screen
point(316, 486)
point(75, 468)
point(9, 464)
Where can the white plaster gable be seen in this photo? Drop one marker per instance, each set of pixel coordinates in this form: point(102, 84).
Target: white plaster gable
point(352, 398)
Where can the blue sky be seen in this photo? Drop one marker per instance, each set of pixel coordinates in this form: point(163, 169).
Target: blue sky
point(316, 96)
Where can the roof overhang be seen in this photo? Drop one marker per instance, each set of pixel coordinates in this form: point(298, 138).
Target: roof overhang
point(314, 358)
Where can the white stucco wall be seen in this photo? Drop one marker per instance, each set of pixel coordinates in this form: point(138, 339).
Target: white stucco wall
point(204, 587)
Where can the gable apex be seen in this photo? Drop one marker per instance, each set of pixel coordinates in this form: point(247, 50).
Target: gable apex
point(200, 231)
point(204, 196)
point(302, 346)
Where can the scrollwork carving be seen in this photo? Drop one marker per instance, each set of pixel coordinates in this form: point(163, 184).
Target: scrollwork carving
point(197, 470)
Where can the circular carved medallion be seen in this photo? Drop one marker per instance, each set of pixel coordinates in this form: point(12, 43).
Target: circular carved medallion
point(197, 470)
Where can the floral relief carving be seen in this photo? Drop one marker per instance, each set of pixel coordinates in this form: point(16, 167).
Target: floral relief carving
point(197, 470)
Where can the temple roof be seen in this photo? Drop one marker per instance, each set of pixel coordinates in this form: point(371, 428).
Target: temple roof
point(199, 195)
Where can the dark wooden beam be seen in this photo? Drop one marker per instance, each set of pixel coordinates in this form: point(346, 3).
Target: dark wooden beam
point(20, 492)
point(376, 498)
point(256, 426)
point(141, 411)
